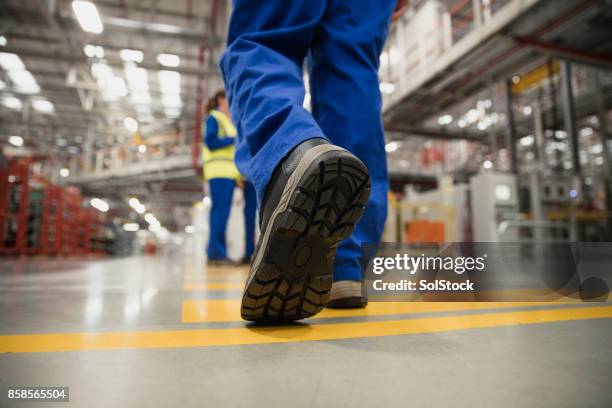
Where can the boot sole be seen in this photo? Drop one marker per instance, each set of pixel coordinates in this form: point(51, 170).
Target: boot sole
point(291, 275)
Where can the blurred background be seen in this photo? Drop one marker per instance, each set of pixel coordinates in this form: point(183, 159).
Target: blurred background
point(497, 116)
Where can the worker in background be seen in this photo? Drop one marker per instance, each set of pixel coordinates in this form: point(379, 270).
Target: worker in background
point(311, 172)
point(222, 176)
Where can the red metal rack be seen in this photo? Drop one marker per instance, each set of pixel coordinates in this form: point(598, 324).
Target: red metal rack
point(14, 193)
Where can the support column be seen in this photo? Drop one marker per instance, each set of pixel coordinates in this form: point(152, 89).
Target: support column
point(569, 120)
point(511, 130)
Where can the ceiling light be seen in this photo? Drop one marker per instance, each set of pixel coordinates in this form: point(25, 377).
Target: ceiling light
point(88, 17)
point(472, 116)
point(101, 71)
point(445, 120)
point(43, 106)
point(516, 79)
point(488, 164)
point(169, 81)
point(11, 62)
point(130, 124)
point(131, 227)
point(94, 51)
point(2, 41)
point(391, 147)
point(140, 98)
point(169, 60)
point(12, 103)
point(129, 55)
point(24, 81)
point(171, 100)
point(190, 229)
point(461, 123)
point(99, 204)
point(527, 140)
point(527, 110)
point(142, 148)
point(16, 141)
point(387, 87)
point(64, 172)
point(172, 112)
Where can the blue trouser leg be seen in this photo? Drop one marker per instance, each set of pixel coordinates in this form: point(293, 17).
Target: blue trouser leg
point(267, 44)
point(221, 191)
point(346, 103)
point(262, 68)
point(250, 212)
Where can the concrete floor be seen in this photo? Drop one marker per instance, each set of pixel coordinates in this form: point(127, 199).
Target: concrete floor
point(164, 331)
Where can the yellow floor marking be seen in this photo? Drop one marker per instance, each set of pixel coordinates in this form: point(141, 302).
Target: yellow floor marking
point(228, 310)
point(204, 286)
point(25, 343)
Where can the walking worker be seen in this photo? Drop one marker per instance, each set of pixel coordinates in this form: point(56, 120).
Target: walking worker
point(313, 173)
point(222, 176)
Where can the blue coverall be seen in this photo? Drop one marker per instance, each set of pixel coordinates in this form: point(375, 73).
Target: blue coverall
point(268, 42)
point(221, 191)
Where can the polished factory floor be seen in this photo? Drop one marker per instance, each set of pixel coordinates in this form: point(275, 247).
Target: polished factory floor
point(165, 331)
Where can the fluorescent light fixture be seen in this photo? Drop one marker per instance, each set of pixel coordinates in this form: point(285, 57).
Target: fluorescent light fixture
point(3, 41)
point(527, 140)
point(88, 17)
point(94, 51)
point(131, 227)
point(150, 218)
point(64, 172)
point(472, 116)
point(16, 141)
point(387, 87)
point(24, 81)
point(142, 148)
point(445, 120)
point(11, 62)
point(172, 112)
point(171, 100)
point(190, 229)
point(101, 71)
point(42, 105)
point(130, 124)
point(137, 205)
point(169, 60)
point(129, 55)
point(391, 147)
point(143, 98)
point(169, 81)
point(12, 103)
point(99, 204)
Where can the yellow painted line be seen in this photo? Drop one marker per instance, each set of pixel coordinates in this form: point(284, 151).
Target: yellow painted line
point(204, 286)
point(25, 343)
point(228, 310)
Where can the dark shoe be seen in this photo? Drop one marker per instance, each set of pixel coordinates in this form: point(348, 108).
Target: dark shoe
point(347, 295)
point(314, 199)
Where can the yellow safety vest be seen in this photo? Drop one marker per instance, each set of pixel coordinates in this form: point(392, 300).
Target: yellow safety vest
point(219, 163)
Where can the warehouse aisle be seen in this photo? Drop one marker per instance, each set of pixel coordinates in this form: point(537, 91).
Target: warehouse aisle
point(165, 331)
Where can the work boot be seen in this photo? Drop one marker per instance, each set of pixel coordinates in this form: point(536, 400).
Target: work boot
point(347, 294)
point(315, 197)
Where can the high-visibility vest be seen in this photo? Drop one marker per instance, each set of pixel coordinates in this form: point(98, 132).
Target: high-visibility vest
point(219, 163)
